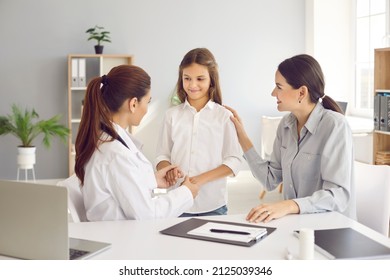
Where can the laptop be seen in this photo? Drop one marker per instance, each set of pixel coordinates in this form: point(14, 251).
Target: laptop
point(34, 224)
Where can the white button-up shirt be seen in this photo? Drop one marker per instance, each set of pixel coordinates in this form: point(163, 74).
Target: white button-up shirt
point(317, 169)
point(119, 181)
point(198, 142)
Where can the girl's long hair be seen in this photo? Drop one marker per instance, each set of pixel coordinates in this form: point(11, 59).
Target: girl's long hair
point(201, 56)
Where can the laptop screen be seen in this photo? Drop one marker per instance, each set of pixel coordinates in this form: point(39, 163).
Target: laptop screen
point(34, 223)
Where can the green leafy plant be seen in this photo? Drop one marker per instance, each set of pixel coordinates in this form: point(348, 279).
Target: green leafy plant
point(97, 33)
point(26, 126)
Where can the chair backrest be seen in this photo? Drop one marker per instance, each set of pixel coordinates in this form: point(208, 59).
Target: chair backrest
point(269, 125)
point(75, 201)
point(372, 183)
point(343, 106)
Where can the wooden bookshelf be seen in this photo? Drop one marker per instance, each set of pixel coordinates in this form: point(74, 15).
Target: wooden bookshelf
point(96, 65)
point(381, 139)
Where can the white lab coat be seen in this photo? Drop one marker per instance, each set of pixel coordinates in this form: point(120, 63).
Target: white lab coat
point(118, 185)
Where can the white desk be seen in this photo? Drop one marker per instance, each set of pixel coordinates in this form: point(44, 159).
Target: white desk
point(141, 240)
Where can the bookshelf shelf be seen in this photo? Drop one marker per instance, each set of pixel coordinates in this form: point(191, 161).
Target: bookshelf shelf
point(381, 139)
point(78, 88)
point(382, 132)
point(94, 65)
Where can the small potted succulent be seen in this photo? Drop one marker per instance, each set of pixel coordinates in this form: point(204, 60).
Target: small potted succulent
point(100, 35)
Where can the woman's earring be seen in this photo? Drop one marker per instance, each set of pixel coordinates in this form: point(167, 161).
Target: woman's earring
point(299, 101)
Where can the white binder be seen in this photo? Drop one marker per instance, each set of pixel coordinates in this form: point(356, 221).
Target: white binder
point(81, 73)
point(75, 72)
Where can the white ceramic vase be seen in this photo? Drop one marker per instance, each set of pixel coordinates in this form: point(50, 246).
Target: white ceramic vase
point(26, 157)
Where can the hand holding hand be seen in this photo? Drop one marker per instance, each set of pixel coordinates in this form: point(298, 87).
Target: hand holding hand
point(168, 176)
point(173, 175)
point(193, 187)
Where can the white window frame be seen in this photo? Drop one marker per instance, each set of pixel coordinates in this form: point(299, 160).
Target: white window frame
point(354, 110)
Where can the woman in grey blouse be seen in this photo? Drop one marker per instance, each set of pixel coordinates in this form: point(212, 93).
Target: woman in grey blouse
point(313, 150)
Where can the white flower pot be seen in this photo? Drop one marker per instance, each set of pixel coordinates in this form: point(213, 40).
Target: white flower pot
point(26, 157)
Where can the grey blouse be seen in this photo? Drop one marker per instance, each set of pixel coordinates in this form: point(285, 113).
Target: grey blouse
point(317, 169)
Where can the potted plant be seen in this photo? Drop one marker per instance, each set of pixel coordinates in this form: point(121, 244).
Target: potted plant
point(21, 123)
point(97, 33)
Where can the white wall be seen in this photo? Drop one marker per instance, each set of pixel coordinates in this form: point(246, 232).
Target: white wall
point(249, 38)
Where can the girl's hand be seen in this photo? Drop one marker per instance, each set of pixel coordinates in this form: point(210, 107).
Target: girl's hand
point(168, 176)
point(173, 176)
point(193, 187)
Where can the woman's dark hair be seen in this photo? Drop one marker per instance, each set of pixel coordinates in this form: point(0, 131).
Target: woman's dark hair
point(104, 96)
point(201, 56)
point(304, 70)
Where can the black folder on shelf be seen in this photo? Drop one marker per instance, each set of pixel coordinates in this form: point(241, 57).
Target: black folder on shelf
point(384, 112)
point(347, 243)
point(377, 111)
point(182, 229)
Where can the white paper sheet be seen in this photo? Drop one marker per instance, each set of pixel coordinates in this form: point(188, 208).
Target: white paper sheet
point(205, 230)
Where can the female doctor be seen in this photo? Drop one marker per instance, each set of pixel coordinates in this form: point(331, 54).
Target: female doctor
point(117, 179)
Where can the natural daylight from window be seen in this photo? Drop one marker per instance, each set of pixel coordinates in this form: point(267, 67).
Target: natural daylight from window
point(372, 31)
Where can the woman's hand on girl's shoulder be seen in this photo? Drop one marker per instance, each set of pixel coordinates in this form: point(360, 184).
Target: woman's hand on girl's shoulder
point(235, 118)
point(243, 138)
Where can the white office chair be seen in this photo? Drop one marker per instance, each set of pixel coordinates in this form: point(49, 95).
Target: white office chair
point(269, 125)
point(372, 184)
point(75, 201)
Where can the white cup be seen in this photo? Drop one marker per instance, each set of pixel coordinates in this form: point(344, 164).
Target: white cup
point(306, 244)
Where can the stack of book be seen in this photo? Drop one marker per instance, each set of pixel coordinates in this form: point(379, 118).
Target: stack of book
point(382, 158)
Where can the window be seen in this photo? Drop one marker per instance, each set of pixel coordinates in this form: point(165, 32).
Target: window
point(371, 32)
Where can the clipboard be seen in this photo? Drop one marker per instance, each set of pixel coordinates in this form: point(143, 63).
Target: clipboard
point(182, 229)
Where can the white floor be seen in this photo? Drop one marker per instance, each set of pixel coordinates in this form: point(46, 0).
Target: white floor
point(244, 193)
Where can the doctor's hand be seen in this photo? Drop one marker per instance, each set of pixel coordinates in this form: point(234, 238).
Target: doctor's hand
point(168, 176)
point(267, 212)
point(193, 187)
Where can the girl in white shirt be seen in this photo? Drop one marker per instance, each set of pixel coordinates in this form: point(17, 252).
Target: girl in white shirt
point(198, 136)
point(117, 178)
